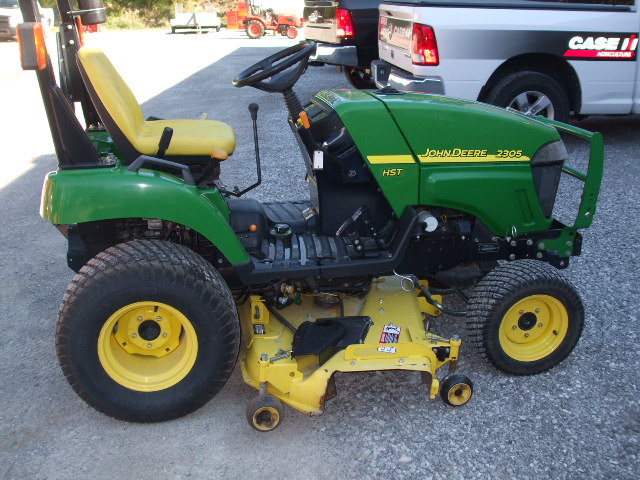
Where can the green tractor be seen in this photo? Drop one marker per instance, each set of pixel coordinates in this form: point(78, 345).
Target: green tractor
point(412, 197)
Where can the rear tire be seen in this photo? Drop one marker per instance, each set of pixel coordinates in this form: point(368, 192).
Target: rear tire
point(147, 331)
point(531, 93)
point(255, 29)
point(292, 33)
point(359, 78)
point(524, 317)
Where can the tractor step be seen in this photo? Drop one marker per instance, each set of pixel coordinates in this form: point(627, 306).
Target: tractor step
point(300, 255)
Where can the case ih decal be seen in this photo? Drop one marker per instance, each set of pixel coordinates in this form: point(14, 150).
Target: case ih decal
point(610, 47)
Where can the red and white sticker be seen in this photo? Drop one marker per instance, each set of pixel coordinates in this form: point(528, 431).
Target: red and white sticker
point(390, 334)
point(604, 47)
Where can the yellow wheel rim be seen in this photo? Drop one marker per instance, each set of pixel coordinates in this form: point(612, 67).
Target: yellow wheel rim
point(266, 418)
point(459, 394)
point(533, 328)
point(147, 346)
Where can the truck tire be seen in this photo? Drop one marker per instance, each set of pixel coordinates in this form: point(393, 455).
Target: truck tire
point(524, 317)
point(531, 93)
point(359, 78)
point(255, 29)
point(148, 331)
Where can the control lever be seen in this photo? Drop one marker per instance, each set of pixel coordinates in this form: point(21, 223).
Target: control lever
point(253, 110)
point(165, 140)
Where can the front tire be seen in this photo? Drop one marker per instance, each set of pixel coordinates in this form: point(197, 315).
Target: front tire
point(255, 29)
point(524, 317)
point(531, 93)
point(147, 332)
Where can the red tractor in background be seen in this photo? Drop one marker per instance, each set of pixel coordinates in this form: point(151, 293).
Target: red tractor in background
point(259, 20)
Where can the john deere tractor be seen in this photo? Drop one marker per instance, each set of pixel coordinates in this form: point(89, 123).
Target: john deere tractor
point(412, 197)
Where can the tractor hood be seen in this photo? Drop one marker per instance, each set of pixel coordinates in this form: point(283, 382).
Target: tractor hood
point(441, 129)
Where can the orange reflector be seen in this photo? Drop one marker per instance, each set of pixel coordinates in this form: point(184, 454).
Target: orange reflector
point(219, 154)
point(33, 51)
point(253, 228)
point(80, 30)
point(304, 118)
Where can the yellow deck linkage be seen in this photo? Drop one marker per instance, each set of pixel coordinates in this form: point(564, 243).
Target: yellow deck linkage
point(301, 382)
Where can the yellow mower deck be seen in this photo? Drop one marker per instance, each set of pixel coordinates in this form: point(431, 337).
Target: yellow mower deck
point(302, 383)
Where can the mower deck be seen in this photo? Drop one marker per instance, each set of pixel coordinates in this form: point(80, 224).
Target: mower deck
point(304, 381)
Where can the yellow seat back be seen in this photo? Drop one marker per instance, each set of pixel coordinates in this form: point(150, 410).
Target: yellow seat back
point(114, 93)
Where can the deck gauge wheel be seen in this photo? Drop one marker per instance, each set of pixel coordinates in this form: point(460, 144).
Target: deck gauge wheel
point(456, 390)
point(264, 413)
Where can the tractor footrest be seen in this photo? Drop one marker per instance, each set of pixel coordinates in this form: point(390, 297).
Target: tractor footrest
point(326, 336)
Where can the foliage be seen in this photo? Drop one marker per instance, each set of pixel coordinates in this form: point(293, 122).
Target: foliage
point(150, 13)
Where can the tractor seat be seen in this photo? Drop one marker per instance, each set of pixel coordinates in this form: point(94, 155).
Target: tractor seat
point(193, 141)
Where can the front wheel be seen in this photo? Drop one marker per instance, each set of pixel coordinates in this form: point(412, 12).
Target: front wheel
point(524, 317)
point(148, 331)
point(255, 29)
point(531, 93)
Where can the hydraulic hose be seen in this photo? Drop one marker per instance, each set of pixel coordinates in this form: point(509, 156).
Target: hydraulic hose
point(437, 304)
point(280, 318)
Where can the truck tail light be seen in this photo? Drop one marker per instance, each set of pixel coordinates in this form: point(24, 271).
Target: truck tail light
point(424, 49)
point(33, 51)
point(344, 24)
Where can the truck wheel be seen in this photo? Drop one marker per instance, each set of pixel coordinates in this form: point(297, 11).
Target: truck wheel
point(359, 78)
point(255, 29)
point(292, 32)
point(148, 331)
point(524, 317)
point(531, 93)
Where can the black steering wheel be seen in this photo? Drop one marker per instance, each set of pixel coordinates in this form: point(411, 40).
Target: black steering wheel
point(270, 74)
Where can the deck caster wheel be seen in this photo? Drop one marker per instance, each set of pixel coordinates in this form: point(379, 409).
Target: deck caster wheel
point(456, 390)
point(264, 413)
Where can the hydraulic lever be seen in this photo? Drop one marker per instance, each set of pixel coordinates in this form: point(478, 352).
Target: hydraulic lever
point(253, 109)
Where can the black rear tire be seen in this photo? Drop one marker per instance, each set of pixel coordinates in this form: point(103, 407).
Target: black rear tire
point(522, 90)
point(524, 317)
point(126, 309)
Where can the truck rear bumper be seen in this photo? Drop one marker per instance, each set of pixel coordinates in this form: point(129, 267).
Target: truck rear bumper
point(336, 55)
point(385, 74)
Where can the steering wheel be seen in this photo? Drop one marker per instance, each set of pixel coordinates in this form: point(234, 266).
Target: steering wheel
point(270, 74)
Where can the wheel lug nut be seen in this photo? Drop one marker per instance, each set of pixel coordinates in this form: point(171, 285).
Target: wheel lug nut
point(165, 334)
point(158, 318)
point(149, 345)
point(537, 310)
point(526, 334)
point(540, 325)
point(515, 327)
point(133, 335)
point(139, 319)
point(521, 312)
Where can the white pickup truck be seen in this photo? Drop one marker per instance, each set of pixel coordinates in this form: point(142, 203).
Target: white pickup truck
point(552, 58)
point(10, 17)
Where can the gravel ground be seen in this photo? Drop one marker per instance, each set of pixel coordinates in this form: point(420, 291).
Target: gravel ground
point(579, 420)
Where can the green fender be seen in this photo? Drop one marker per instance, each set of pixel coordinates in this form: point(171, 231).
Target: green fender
point(86, 195)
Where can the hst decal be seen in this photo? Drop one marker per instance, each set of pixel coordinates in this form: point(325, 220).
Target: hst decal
point(603, 47)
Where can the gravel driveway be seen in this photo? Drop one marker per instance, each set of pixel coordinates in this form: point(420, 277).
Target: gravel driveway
point(579, 420)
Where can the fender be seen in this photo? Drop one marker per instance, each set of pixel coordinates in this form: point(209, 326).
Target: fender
point(85, 195)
